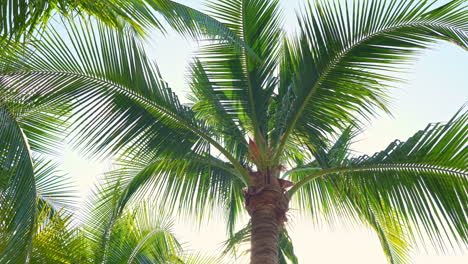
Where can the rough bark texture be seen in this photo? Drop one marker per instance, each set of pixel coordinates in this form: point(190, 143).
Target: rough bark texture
point(265, 237)
point(267, 205)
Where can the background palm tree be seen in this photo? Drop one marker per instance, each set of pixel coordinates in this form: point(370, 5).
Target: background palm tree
point(63, 234)
point(262, 121)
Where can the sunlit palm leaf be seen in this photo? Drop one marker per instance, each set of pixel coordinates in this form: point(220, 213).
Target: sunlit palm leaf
point(194, 184)
point(102, 69)
point(52, 186)
point(411, 190)
point(27, 130)
point(338, 66)
point(18, 17)
point(56, 239)
point(210, 105)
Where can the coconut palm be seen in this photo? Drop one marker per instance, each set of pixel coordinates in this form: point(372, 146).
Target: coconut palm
point(268, 127)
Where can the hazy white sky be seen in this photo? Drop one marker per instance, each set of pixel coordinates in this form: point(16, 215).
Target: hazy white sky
point(437, 88)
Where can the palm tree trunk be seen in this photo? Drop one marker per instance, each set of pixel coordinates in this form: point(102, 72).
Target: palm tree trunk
point(267, 205)
point(265, 237)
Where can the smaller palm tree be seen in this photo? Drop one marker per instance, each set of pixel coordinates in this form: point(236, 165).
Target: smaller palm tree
point(142, 233)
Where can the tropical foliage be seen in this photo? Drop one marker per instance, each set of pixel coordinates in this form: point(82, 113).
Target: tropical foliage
point(20, 18)
point(275, 111)
point(143, 233)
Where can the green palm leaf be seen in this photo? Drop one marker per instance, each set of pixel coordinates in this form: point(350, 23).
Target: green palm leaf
point(96, 74)
point(194, 184)
point(411, 190)
point(244, 82)
point(339, 65)
point(20, 17)
point(56, 239)
point(18, 190)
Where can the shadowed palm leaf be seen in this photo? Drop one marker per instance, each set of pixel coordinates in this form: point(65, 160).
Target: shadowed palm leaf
point(20, 17)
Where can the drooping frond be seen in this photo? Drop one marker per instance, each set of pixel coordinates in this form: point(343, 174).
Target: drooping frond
point(92, 67)
point(412, 191)
point(17, 191)
point(191, 184)
point(52, 235)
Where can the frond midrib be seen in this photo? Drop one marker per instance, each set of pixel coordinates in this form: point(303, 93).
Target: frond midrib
point(380, 167)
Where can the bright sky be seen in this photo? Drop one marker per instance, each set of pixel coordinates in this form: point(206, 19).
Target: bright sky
point(437, 88)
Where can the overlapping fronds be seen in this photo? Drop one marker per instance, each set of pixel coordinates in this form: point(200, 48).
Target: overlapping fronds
point(241, 82)
point(27, 130)
point(338, 67)
point(138, 234)
point(289, 95)
point(28, 228)
point(92, 67)
point(56, 239)
point(412, 191)
point(209, 105)
point(197, 183)
point(17, 191)
point(100, 69)
point(20, 17)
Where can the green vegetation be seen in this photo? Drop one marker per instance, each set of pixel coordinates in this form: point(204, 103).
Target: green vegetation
point(270, 124)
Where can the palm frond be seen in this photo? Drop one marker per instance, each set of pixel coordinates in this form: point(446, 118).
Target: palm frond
point(130, 102)
point(140, 233)
point(338, 66)
point(208, 105)
point(190, 184)
point(52, 186)
point(412, 191)
point(17, 191)
point(244, 81)
point(56, 238)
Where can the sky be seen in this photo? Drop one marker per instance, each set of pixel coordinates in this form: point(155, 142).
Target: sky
point(437, 87)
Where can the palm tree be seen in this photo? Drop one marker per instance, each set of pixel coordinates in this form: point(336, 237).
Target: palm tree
point(268, 126)
point(143, 233)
